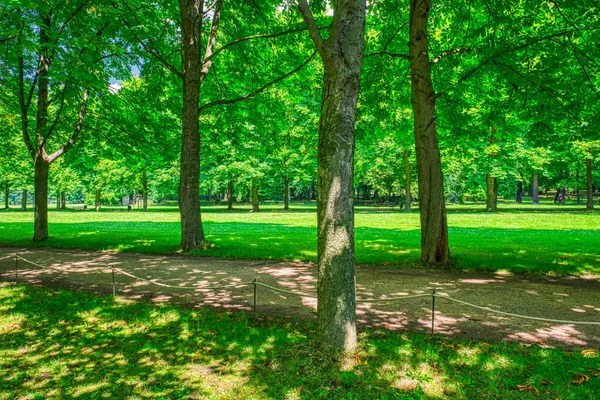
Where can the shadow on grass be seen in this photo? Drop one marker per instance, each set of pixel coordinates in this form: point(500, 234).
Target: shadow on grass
point(565, 252)
point(63, 344)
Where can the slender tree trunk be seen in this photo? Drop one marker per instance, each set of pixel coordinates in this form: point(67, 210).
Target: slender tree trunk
point(192, 233)
point(145, 191)
point(434, 224)
point(408, 177)
point(217, 198)
point(24, 200)
point(255, 207)
point(97, 200)
point(41, 200)
point(58, 199)
point(208, 194)
point(6, 195)
point(230, 195)
point(342, 54)
point(590, 188)
point(578, 186)
point(535, 196)
point(491, 193)
point(286, 193)
point(63, 200)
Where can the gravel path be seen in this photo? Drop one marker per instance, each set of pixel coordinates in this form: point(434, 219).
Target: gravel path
point(559, 298)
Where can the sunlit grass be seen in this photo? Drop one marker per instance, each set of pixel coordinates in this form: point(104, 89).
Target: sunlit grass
point(564, 242)
point(60, 344)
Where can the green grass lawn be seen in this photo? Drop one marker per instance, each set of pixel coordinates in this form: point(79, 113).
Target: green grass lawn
point(520, 239)
point(61, 344)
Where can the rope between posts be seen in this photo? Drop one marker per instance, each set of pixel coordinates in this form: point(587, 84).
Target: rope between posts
point(516, 315)
point(283, 290)
point(153, 281)
point(273, 288)
point(414, 296)
point(59, 269)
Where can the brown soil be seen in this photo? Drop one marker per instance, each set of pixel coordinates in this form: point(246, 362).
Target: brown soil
point(559, 298)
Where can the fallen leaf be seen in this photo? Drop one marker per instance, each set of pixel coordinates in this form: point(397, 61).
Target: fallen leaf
point(589, 352)
point(580, 378)
point(526, 388)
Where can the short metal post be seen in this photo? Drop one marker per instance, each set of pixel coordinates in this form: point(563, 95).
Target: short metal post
point(432, 312)
point(16, 269)
point(113, 281)
point(254, 284)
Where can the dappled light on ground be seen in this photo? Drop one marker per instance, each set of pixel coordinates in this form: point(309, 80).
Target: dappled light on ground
point(199, 283)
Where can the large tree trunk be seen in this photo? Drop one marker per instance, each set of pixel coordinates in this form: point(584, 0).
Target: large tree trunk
point(145, 191)
point(408, 177)
point(230, 195)
point(434, 225)
point(41, 200)
point(24, 200)
point(255, 207)
point(63, 200)
point(342, 54)
point(192, 234)
point(535, 195)
point(590, 188)
point(286, 193)
point(97, 200)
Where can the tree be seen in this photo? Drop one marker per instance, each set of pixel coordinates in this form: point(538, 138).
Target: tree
point(341, 53)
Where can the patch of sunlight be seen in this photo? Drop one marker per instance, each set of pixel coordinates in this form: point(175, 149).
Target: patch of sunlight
point(293, 394)
point(164, 318)
point(11, 323)
point(90, 316)
point(498, 362)
point(308, 253)
point(145, 242)
point(87, 233)
point(467, 355)
point(81, 390)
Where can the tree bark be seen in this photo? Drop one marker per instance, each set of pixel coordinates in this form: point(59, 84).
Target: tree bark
point(58, 199)
point(590, 188)
point(535, 196)
point(145, 191)
point(286, 193)
point(342, 54)
point(24, 200)
point(41, 200)
point(63, 200)
point(434, 225)
point(578, 186)
point(255, 206)
point(6, 195)
point(192, 233)
point(97, 200)
point(408, 177)
point(230, 195)
point(491, 193)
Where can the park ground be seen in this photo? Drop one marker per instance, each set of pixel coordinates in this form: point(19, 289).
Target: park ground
point(62, 343)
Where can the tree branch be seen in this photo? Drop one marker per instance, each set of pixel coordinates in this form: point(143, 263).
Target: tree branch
point(387, 53)
point(313, 29)
point(210, 44)
point(76, 131)
point(451, 52)
point(517, 48)
point(259, 90)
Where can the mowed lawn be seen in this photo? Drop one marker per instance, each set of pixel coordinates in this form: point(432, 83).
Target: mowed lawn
point(544, 239)
point(57, 344)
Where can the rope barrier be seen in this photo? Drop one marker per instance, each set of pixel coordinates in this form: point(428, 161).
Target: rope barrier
point(414, 296)
point(516, 315)
point(276, 289)
point(153, 281)
point(284, 291)
point(87, 269)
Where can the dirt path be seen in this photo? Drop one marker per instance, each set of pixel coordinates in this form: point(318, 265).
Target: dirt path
point(561, 298)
